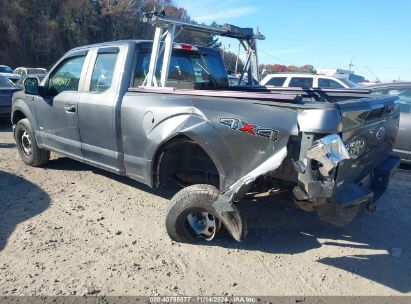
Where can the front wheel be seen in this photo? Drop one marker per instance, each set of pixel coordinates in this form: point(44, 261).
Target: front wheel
point(29, 152)
point(191, 216)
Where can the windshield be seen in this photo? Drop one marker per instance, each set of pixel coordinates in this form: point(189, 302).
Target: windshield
point(36, 71)
point(5, 83)
point(5, 69)
point(188, 70)
point(349, 83)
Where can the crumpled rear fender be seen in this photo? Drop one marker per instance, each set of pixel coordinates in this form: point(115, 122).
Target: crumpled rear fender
point(239, 152)
point(224, 204)
point(228, 212)
point(198, 129)
point(244, 139)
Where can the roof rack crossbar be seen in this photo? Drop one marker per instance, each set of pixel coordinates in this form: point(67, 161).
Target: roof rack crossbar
point(166, 30)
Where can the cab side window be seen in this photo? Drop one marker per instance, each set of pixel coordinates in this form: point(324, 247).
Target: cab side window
point(329, 83)
point(103, 72)
point(301, 82)
point(277, 81)
point(67, 76)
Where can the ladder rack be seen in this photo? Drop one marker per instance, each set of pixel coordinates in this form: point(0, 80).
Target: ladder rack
point(165, 34)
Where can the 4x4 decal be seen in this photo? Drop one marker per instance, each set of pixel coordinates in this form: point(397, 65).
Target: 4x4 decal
point(236, 124)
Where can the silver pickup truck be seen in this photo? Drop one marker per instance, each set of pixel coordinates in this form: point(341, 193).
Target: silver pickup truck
point(102, 105)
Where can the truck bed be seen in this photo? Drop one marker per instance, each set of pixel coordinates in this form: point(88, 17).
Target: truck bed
point(290, 97)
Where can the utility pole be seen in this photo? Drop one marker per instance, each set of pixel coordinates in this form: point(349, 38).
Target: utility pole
point(224, 47)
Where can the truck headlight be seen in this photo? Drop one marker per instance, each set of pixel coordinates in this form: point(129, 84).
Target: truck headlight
point(328, 151)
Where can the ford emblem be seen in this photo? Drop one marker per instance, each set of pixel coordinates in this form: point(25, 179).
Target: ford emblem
point(380, 133)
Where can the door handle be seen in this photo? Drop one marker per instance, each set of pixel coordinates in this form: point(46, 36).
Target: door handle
point(70, 108)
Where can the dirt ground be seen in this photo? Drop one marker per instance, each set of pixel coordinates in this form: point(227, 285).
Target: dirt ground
point(70, 229)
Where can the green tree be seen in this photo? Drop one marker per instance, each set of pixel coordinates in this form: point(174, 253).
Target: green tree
point(230, 60)
point(38, 32)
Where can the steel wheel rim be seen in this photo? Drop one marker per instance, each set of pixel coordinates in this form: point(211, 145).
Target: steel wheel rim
point(26, 143)
point(203, 224)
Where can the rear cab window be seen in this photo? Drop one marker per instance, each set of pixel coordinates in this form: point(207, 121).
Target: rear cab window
point(276, 81)
point(301, 82)
point(188, 70)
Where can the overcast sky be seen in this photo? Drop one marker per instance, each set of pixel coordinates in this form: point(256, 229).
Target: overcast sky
point(375, 35)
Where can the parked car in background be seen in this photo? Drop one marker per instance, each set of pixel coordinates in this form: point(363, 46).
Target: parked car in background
point(303, 80)
point(30, 71)
point(7, 89)
point(7, 71)
point(403, 91)
point(235, 81)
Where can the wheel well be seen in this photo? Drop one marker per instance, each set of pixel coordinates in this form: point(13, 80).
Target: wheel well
point(186, 162)
point(17, 116)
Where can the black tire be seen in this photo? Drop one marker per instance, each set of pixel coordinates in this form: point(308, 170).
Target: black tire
point(190, 200)
point(24, 136)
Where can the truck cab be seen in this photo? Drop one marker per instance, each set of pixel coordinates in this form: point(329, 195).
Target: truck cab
point(87, 84)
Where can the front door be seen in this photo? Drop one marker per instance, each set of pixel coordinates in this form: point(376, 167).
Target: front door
point(57, 113)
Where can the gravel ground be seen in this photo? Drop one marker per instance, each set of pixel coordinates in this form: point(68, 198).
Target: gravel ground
point(70, 229)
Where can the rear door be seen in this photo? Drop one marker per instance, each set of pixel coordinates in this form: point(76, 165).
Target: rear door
point(57, 112)
point(97, 107)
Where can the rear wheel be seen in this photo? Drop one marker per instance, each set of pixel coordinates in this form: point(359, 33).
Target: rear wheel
point(29, 152)
point(191, 216)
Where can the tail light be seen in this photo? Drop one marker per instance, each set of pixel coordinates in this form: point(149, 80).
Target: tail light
point(357, 146)
point(328, 151)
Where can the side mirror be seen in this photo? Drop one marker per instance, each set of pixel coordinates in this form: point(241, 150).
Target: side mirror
point(31, 86)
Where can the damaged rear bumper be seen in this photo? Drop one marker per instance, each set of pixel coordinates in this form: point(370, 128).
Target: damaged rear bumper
point(343, 206)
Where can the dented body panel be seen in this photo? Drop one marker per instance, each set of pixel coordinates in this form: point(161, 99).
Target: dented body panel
point(234, 152)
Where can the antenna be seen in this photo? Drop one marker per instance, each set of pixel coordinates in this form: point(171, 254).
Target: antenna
point(379, 81)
